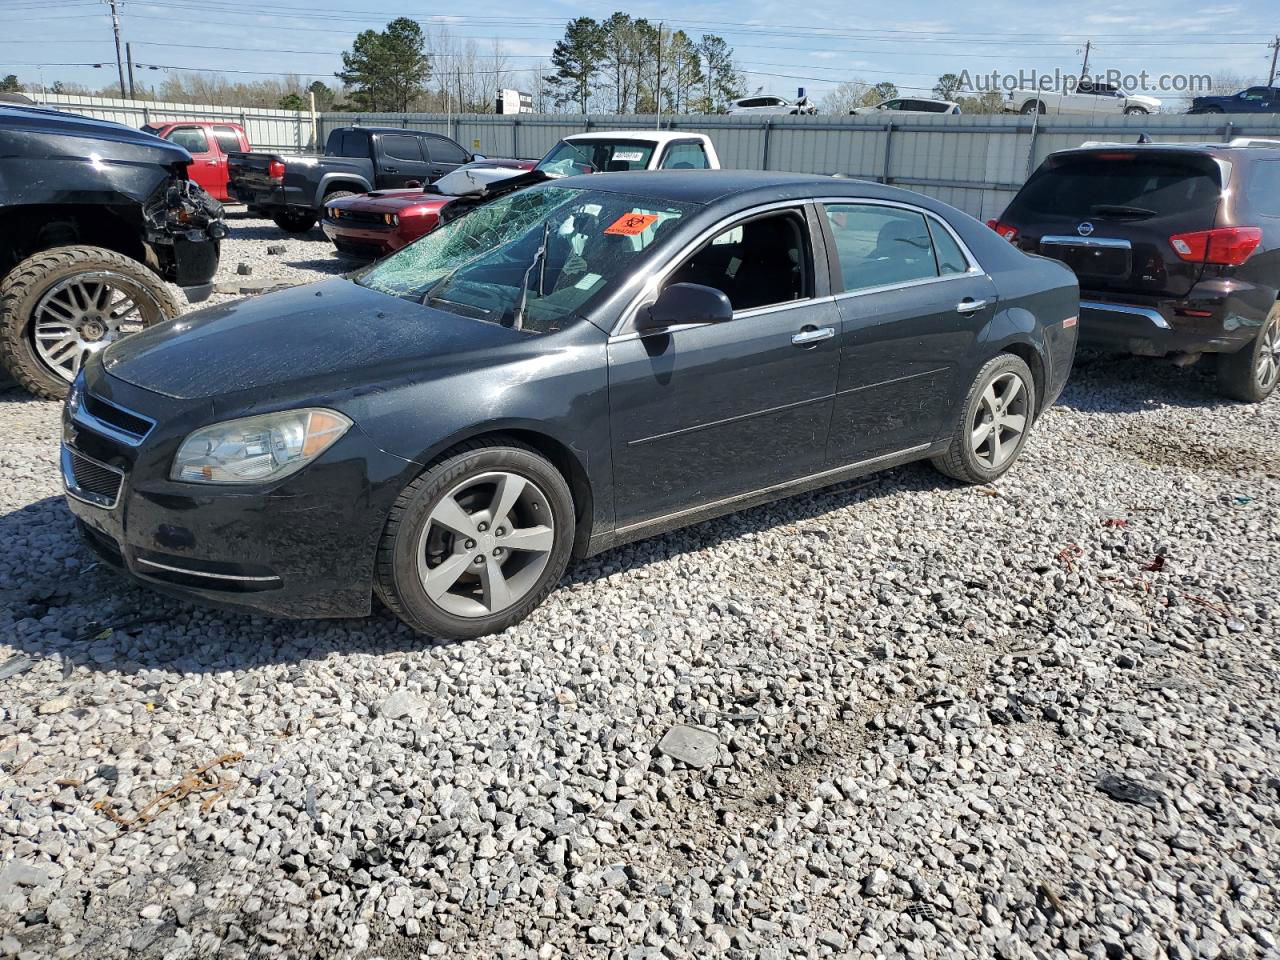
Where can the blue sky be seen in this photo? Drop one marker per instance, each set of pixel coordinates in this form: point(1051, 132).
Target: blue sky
point(782, 46)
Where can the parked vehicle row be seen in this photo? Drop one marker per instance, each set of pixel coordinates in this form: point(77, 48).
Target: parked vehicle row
point(293, 190)
point(375, 224)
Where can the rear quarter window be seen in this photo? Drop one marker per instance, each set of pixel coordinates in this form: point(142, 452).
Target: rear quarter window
point(1088, 186)
point(1263, 190)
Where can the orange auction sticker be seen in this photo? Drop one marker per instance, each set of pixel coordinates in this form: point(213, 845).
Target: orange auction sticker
point(631, 224)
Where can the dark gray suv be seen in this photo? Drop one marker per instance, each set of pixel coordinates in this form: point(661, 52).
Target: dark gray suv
point(1177, 247)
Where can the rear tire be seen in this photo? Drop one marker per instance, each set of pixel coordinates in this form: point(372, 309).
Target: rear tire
point(294, 221)
point(338, 195)
point(476, 542)
point(1033, 106)
point(994, 422)
point(62, 305)
point(1250, 375)
point(1136, 111)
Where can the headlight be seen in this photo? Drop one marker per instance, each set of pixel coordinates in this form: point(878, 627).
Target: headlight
point(254, 449)
point(391, 219)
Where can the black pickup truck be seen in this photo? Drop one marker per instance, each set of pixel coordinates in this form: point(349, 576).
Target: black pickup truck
point(293, 189)
point(95, 217)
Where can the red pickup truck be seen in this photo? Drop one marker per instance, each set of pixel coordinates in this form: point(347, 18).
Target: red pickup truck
point(208, 143)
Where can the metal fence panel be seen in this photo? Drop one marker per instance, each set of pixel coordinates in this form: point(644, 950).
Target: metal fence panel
point(266, 129)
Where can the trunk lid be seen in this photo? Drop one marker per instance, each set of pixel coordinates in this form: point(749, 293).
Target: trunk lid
point(1108, 214)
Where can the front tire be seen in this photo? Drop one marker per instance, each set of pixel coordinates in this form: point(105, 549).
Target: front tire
point(62, 305)
point(1033, 106)
point(476, 542)
point(1136, 111)
point(294, 221)
point(1250, 375)
point(994, 423)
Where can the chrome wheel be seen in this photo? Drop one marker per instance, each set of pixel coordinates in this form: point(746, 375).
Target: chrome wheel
point(83, 314)
point(1266, 364)
point(485, 544)
point(1000, 421)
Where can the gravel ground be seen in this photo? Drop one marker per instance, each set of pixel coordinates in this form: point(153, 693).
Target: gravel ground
point(1030, 721)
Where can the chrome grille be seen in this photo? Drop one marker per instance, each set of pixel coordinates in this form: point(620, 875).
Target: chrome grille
point(90, 480)
point(107, 418)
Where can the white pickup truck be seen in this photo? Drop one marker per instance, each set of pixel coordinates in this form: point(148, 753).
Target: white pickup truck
point(618, 150)
point(1087, 98)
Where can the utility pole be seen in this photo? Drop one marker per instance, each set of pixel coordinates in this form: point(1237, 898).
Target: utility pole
point(115, 26)
point(659, 91)
point(1275, 52)
point(1084, 70)
point(128, 52)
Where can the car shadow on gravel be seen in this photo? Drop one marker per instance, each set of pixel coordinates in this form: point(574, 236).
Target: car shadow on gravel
point(1114, 383)
point(91, 616)
point(333, 265)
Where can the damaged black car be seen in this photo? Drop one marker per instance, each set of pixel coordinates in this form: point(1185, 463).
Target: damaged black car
point(96, 219)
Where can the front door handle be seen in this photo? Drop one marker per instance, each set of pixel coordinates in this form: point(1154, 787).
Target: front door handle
point(811, 335)
point(970, 306)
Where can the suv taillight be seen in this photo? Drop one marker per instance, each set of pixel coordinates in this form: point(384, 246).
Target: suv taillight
point(1005, 230)
point(275, 170)
point(1224, 246)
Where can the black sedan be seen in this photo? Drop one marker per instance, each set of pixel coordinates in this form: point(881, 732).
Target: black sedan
point(571, 367)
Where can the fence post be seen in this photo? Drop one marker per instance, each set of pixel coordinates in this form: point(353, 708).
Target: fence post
point(515, 138)
point(888, 145)
point(586, 123)
point(1031, 147)
point(1226, 134)
point(768, 129)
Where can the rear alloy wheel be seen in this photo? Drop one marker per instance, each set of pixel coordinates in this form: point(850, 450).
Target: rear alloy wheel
point(994, 422)
point(60, 307)
point(477, 542)
point(1251, 374)
point(1033, 106)
point(1136, 111)
point(294, 221)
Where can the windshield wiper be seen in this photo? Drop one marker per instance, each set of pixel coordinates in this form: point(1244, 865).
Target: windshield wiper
point(1120, 210)
point(539, 263)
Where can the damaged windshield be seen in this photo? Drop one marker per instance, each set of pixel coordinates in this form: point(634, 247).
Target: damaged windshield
point(530, 260)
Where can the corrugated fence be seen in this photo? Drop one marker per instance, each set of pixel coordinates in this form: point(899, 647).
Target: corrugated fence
point(973, 162)
point(267, 129)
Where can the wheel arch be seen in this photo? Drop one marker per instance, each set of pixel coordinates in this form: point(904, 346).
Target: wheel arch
point(340, 181)
point(558, 452)
point(1030, 355)
point(32, 229)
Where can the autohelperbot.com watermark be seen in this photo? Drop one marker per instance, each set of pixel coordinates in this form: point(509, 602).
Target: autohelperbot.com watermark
point(1059, 81)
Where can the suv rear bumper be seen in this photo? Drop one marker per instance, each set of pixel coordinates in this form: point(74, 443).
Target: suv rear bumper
point(1213, 320)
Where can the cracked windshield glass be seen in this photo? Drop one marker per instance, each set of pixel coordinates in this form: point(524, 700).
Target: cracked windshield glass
point(532, 260)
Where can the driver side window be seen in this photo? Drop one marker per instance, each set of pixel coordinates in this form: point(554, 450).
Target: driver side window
point(760, 262)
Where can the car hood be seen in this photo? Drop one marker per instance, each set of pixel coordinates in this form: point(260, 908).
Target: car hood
point(323, 337)
point(392, 201)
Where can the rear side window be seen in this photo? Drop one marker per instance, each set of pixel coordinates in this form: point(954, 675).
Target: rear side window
point(401, 148)
point(951, 258)
point(441, 150)
point(685, 156)
point(879, 246)
point(348, 143)
point(1263, 190)
point(192, 139)
point(1121, 186)
point(227, 139)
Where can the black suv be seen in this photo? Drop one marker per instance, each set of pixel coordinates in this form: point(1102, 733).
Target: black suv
point(95, 217)
point(1177, 247)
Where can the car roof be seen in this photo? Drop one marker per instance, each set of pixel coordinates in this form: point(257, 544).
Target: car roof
point(400, 130)
point(652, 136)
point(1234, 149)
point(712, 186)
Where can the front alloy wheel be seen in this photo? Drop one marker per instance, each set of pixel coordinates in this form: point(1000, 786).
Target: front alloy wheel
point(477, 541)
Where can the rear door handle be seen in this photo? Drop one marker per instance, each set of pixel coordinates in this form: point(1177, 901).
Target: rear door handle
point(811, 335)
point(970, 306)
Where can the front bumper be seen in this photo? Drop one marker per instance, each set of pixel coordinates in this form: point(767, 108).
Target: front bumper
point(367, 241)
point(302, 548)
point(1213, 318)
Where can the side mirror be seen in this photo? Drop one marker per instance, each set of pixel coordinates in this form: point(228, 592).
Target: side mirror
point(684, 303)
